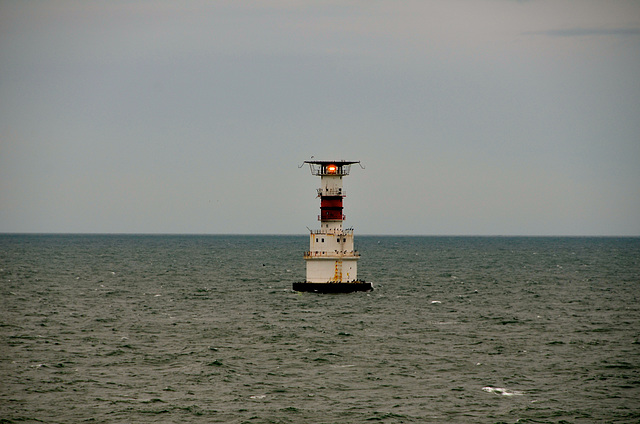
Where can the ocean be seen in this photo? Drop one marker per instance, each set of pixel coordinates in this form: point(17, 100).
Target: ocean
point(206, 329)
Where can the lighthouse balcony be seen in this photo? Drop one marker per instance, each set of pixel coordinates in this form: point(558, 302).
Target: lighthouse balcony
point(332, 217)
point(336, 231)
point(332, 192)
point(312, 254)
point(322, 168)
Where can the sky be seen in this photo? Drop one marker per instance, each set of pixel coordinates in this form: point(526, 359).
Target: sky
point(470, 117)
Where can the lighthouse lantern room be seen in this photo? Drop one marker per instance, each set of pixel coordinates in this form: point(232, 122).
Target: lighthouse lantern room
point(332, 261)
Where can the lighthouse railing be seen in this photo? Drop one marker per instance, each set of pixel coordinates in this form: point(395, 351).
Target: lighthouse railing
point(335, 254)
point(342, 218)
point(337, 231)
point(320, 169)
point(332, 192)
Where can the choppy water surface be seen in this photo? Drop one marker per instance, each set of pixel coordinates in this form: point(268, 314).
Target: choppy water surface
point(206, 329)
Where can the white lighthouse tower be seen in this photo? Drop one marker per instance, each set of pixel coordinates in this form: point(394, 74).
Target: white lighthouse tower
point(332, 261)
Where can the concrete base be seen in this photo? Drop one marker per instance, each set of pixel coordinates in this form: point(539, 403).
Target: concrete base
point(333, 287)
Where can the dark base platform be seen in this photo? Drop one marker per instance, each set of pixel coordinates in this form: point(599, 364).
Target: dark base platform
point(333, 287)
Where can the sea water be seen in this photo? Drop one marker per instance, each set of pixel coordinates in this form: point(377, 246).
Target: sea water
point(206, 329)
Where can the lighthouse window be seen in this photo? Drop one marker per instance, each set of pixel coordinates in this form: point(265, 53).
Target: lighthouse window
point(323, 240)
point(316, 239)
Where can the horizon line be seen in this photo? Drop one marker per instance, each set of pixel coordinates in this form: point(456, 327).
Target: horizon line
point(53, 233)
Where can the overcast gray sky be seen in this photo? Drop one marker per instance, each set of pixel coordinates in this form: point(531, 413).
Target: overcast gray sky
point(476, 117)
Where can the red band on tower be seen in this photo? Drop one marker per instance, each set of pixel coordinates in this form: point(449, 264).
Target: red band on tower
point(331, 208)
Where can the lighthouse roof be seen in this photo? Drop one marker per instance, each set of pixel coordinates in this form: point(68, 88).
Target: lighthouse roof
point(335, 162)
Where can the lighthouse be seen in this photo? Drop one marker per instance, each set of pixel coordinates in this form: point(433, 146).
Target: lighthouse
point(332, 261)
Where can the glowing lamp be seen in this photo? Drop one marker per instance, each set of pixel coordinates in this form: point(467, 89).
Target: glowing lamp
point(331, 169)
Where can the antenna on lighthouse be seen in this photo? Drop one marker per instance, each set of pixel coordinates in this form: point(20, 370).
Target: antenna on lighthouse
point(331, 259)
point(302, 164)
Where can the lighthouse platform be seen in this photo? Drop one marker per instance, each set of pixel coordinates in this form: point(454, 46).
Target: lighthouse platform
point(333, 287)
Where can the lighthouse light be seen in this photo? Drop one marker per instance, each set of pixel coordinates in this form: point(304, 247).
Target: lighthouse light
point(331, 169)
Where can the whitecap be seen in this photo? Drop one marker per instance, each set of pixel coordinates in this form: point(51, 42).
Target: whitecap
point(501, 391)
point(257, 396)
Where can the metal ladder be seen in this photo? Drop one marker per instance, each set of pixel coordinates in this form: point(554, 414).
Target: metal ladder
point(338, 272)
